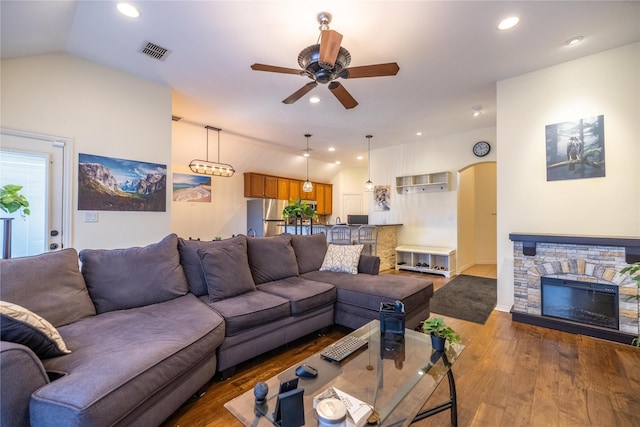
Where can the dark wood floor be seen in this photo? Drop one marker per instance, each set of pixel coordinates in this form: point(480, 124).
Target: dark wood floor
point(510, 374)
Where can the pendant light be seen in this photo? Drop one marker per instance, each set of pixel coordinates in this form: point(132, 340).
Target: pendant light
point(368, 186)
point(307, 187)
point(205, 167)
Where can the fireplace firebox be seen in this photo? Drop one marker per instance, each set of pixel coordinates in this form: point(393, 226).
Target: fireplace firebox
point(582, 302)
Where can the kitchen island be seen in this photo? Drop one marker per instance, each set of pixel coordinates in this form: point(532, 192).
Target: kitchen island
point(387, 239)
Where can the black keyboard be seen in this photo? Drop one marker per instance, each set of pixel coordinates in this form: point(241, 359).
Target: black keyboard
point(341, 349)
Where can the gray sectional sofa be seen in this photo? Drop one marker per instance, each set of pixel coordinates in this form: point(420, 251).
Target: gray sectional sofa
point(140, 330)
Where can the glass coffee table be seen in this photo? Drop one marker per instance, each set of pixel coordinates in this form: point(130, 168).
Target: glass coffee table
point(394, 376)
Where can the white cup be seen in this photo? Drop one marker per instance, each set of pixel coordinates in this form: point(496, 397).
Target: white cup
point(331, 413)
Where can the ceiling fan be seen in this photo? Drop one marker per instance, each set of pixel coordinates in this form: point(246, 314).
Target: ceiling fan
point(327, 61)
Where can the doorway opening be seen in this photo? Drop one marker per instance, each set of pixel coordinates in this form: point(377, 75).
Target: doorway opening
point(477, 220)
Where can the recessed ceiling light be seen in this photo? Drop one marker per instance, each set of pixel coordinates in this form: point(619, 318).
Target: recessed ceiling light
point(419, 133)
point(332, 148)
point(306, 154)
point(509, 22)
point(338, 162)
point(477, 110)
point(314, 100)
point(574, 40)
point(128, 10)
point(359, 157)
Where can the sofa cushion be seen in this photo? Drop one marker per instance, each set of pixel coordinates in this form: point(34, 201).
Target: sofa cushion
point(50, 285)
point(19, 325)
point(271, 258)
point(310, 250)
point(123, 360)
point(342, 259)
point(226, 270)
point(368, 291)
point(190, 260)
point(249, 310)
point(124, 278)
point(303, 295)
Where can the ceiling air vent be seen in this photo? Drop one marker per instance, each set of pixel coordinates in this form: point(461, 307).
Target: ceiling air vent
point(154, 51)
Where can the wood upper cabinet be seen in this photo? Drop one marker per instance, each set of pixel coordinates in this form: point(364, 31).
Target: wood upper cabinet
point(324, 193)
point(283, 189)
point(295, 188)
point(258, 185)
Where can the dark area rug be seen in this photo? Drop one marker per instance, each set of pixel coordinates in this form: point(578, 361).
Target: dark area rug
point(466, 297)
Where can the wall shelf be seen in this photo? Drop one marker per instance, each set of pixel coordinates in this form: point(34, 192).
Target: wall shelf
point(423, 183)
point(426, 259)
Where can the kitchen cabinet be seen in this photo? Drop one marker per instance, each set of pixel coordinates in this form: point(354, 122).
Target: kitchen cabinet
point(295, 188)
point(258, 185)
point(283, 189)
point(324, 197)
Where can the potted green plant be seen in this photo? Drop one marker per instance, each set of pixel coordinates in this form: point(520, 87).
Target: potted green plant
point(11, 200)
point(440, 332)
point(298, 209)
point(634, 272)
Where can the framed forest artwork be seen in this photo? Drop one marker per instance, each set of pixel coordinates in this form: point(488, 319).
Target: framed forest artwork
point(575, 149)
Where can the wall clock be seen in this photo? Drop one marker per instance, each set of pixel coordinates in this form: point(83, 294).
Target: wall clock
point(481, 148)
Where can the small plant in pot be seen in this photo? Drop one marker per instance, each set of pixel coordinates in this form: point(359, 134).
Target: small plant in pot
point(634, 273)
point(298, 209)
point(440, 332)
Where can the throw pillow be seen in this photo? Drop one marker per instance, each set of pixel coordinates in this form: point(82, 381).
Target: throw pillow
point(49, 284)
point(118, 279)
point(190, 260)
point(342, 258)
point(310, 251)
point(226, 270)
point(25, 327)
point(271, 258)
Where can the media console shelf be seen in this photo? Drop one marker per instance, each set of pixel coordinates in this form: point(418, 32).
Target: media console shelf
point(426, 259)
point(423, 183)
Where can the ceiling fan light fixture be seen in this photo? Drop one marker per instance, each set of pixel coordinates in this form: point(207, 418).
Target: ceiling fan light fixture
point(207, 167)
point(477, 110)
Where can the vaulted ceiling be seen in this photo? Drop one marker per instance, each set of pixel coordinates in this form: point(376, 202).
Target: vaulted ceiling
point(450, 55)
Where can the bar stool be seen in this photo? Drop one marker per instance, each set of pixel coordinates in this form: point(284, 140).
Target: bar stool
point(368, 235)
point(341, 235)
point(318, 229)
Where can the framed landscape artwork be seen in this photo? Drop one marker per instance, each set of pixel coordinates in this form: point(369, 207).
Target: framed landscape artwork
point(575, 149)
point(191, 188)
point(111, 184)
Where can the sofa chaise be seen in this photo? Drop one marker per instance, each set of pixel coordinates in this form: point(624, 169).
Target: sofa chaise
point(135, 332)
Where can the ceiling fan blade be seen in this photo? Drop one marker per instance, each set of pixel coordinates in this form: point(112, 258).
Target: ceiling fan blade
point(329, 47)
point(299, 93)
point(274, 69)
point(377, 70)
point(343, 96)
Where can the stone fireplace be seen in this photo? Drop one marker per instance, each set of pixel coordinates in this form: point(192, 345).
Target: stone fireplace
point(591, 266)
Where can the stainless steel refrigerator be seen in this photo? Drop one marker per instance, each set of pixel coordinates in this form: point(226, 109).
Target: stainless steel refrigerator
point(264, 216)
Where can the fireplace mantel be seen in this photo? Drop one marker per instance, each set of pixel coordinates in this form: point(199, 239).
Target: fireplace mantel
point(529, 240)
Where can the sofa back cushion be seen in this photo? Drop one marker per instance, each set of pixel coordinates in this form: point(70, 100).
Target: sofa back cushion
point(50, 285)
point(226, 269)
point(310, 251)
point(271, 258)
point(190, 260)
point(125, 278)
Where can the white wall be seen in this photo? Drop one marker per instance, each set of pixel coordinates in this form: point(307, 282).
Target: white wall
point(428, 219)
point(105, 112)
point(606, 84)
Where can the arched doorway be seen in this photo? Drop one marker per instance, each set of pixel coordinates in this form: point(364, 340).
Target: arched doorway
point(477, 217)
